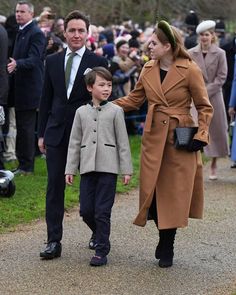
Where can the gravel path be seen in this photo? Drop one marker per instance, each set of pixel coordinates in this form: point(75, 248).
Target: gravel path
point(204, 263)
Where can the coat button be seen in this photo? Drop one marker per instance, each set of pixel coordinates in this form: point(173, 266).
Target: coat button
point(95, 119)
point(94, 130)
point(94, 142)
point(164, 121)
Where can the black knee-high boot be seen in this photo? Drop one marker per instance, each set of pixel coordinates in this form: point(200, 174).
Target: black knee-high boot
point(166, 253)
point(159, 247)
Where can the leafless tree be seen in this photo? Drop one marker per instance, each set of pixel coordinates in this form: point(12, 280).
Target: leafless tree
point(114, 11)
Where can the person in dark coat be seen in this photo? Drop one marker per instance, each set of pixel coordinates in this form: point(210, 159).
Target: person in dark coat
point(27, 65)
point(3, 82)
point(9, 128)
point(63, 92)
point(230, 50)
point(3, 66)
point(191, 22)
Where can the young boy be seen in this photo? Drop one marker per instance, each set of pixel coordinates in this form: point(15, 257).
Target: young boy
point(99, 146)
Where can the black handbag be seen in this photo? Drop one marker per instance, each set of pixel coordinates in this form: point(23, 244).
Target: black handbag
point(184, 136)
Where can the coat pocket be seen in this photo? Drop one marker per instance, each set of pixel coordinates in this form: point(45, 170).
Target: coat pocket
point(110, 145)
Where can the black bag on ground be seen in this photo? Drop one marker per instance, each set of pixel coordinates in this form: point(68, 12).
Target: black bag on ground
point(184, 136)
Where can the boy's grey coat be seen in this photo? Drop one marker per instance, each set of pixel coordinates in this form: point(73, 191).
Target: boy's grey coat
point(99, 141)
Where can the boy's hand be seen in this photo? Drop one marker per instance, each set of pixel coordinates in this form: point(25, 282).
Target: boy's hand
point(126, 179)
point(69, 179)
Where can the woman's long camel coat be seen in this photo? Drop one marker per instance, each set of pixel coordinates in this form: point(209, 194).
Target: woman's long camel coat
point(174, 175)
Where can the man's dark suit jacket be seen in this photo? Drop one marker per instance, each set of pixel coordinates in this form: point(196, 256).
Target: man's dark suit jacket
point(56, 112)
point(29, 53)
point(3, 66)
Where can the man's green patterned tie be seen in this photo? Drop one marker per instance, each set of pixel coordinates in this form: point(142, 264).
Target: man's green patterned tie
point(68, 68)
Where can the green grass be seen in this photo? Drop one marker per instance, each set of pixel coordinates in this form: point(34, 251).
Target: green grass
point(28, 203)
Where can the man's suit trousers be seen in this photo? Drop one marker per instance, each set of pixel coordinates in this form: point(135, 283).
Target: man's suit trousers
point(25, 139)
point(56, 161)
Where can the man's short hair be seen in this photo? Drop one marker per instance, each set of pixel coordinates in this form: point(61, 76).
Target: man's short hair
point(102, 72)
point(76, 14)
point(30, 5)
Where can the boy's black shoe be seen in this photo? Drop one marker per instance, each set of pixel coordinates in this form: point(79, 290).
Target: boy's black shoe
point(98, 261)
point(53, 250)
point(92, 243)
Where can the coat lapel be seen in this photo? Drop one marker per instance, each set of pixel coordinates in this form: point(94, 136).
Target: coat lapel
point(211, 56)
point(174, 76)
point(199, 59)
point(61, 71)
point(152, 78)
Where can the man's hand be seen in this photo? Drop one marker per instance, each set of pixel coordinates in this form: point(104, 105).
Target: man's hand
point(126, 179)
point(69, 179)
point(11, 65)
point(41, 145)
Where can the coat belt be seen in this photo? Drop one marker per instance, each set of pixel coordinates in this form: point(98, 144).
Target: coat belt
point(170, 111)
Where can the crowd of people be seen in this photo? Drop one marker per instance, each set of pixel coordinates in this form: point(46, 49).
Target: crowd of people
point(161, 76)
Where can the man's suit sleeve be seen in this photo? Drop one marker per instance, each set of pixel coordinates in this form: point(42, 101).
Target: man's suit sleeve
point(36, 52)
point(45, 103)
point(104, 62)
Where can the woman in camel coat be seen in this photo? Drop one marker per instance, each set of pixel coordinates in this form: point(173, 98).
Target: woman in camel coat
point(212, 61)
point(171, 181)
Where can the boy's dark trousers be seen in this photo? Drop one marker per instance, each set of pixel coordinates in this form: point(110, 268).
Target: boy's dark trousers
point(97, 194)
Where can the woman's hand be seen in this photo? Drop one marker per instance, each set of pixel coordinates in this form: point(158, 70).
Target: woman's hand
point(196, 145)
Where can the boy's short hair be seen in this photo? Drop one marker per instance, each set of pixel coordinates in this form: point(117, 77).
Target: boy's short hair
point(90, 77)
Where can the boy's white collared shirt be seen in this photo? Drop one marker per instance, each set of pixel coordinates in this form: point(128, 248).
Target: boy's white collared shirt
point(75, 66)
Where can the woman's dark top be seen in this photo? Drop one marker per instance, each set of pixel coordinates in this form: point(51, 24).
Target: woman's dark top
point(162, 74)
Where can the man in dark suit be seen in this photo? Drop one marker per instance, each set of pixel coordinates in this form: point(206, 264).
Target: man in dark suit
point(64, 91)
point(27, 67)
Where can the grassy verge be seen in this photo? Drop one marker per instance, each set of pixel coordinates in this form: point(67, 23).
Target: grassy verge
point(28, 203)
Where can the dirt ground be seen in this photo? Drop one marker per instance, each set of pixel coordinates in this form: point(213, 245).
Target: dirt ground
point(204, 263)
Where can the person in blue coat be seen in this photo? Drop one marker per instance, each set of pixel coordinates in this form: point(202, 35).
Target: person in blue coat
point(232, 111)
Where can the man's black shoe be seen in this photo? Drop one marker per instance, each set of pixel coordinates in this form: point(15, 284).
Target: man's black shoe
point(53, 250)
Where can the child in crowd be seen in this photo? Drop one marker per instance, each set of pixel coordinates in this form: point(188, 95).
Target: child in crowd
point(99, 146)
